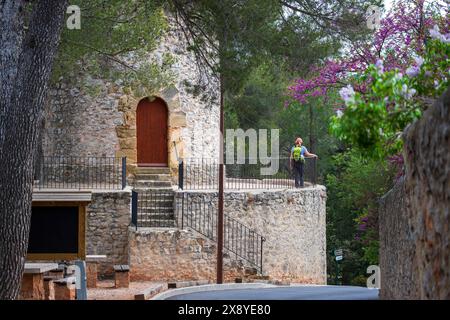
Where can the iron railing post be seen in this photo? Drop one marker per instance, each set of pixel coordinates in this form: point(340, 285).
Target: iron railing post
point(134, 204)
point(182, 210)
point(41, 173)
point(124, 172)
point(315, 172)
point(261, 257)
point(180, 174)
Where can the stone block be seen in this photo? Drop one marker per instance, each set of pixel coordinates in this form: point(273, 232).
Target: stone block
point(177, 119)
point(129, 118)
point(91, 274)
point(122, 279)
point(127, 143)
point(64, 290)
point(125, 132)
point(49, 288)
point(32, 287)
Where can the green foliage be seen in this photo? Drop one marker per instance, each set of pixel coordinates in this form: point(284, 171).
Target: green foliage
point(115, 36)
point(260, 104)
point(375, 118)
point(434, 75)
point(354, 185)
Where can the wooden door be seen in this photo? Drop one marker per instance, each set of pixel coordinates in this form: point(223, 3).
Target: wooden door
point(151, 123)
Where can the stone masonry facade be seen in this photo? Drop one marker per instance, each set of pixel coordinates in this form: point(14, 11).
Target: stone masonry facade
point(176, 254)
point(107, 223)
point(292, 221)
point(98, 118)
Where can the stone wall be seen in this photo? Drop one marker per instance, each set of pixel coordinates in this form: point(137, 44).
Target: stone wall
point(397, 256)
point(175, 254)
point(424, 218)
point(98, 118)
point(292, 221)
point(108, 220)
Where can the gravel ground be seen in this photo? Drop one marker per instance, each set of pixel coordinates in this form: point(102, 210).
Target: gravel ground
point(105, 290)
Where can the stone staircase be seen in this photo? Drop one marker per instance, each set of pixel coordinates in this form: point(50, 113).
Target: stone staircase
point(154, 178)
point(155, 197)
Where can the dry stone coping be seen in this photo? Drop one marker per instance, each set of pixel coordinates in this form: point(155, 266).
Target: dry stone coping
point(255, 190)
point(62, 195)
point(96, 258)
point(36, 268)
point(183, 284)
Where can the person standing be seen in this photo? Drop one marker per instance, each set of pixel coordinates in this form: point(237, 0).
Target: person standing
point(297, 160)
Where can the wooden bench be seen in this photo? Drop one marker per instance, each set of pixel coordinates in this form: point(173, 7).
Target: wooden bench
point(122, 276)
point(92, 262)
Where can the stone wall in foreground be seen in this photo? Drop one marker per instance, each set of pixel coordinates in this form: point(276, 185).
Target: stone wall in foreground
point(107, 223)
point(292, 221)
point(415, 216)
point(397, 255)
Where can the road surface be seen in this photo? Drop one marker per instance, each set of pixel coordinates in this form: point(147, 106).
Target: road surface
point(284, 293)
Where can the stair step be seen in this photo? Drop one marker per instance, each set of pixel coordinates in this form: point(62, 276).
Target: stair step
point(162, 203)
point(167, 223)
point(153, 183)
point(147, 189)
point(153, 170)
point(153, 176)
point(156, 216)
point(160, 192)
point(152, 210)
point(145, 207)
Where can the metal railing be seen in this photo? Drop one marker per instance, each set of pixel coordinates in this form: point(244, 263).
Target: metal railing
point(153, 208)
point(199, 212)
point(134, 208)
point(65, 172)
point(198, 174)
point(202, 174)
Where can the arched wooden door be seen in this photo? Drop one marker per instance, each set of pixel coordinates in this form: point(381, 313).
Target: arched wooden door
point(151, 123)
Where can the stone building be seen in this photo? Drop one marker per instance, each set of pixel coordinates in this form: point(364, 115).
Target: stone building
point(149, 130)
point(139, 214)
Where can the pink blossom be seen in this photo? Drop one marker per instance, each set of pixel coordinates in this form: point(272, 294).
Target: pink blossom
point(412, 71)
point(347, 94)
point(395, 43)
point(379, 65)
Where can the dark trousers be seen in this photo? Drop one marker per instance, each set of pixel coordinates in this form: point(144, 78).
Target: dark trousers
point(298, 174)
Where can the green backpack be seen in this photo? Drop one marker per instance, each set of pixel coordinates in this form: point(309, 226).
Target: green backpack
point(297, 154)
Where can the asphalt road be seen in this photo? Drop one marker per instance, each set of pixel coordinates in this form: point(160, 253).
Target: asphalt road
point(284, 293)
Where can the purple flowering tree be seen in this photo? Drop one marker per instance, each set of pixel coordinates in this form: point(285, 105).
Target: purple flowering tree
point(385, 82)
point(402, 35)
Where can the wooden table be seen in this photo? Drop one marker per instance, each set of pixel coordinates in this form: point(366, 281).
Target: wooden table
point(33, 280)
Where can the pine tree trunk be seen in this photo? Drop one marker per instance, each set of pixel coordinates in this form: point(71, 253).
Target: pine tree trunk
point(26, 62)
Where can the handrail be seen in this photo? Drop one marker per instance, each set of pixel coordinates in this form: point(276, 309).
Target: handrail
point(202, 174)
point(176, 151)
point(199, 215)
